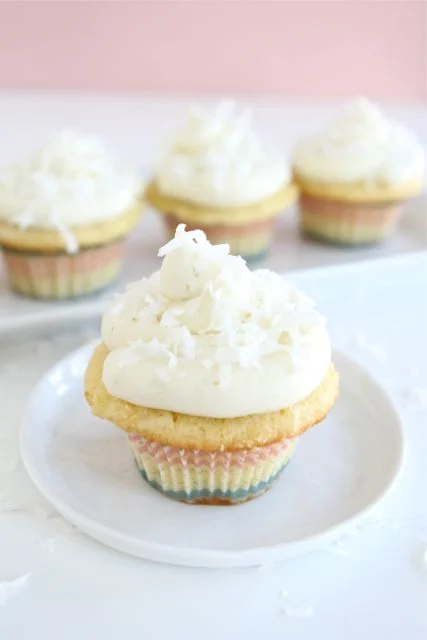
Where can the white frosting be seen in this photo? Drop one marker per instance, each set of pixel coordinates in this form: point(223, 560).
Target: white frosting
point(218, 160)
point(68, 182)
point(206, 336)
point(361, 145)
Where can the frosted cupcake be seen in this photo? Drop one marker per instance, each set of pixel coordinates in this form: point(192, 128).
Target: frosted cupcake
point(64, 214)
point(356, 174)
point(217, 175)
point(213, 371)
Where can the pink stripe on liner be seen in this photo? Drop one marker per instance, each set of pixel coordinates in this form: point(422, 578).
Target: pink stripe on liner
point(50, 265)
point(211, 477)
point(367, 213)
point(53, 276)
point(197, 458)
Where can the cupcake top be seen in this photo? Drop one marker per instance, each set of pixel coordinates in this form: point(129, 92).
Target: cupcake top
point(206, 336)
point(70, 181)
point(218, 160)
point(361, 145)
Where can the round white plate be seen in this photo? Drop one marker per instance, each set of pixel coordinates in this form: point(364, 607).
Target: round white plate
point(83, 466)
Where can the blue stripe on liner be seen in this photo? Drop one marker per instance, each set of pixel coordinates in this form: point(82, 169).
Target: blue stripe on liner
point(217, 493)
point(255, 257)
point(318, 237)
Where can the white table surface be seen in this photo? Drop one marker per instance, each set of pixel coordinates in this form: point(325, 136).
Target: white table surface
point(135, 126)
point(372, 585)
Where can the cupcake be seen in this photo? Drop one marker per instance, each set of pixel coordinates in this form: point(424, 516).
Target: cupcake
point(64, 214)
point(218, 176)
point(355, 176)
point(213, 371)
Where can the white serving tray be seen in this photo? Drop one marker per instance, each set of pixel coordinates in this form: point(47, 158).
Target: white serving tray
point(136, 125)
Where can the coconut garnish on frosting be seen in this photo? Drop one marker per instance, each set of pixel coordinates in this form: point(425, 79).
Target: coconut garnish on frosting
point(70, 181)
point(361, 145)
point(218, 160)
point(206, 336)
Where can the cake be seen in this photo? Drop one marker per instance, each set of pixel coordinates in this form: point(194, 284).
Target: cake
point(64, 214)
point(356, 174)
point(219, 176)
point(213, 371)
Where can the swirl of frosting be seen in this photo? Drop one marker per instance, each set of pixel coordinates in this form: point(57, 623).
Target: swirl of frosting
point(70, 181)
point(206, 336)
point(361, 145)
point(218, 160)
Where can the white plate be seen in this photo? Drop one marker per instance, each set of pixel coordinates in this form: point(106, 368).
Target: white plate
point(83, 466)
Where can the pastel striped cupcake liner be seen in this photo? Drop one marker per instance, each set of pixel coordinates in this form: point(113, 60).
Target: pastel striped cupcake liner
point(251, 241)
point(61, 276)
point(211, 477)
point(348, 223)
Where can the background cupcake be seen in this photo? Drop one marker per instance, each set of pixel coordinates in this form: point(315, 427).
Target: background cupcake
point(64, 213)
point(356, 174)
point(236, 365)
point(218, 176)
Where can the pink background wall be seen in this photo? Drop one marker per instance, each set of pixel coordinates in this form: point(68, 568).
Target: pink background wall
point(322, 48)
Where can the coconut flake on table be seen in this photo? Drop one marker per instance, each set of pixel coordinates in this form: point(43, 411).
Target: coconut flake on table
point(49, 544)
point(11, 588)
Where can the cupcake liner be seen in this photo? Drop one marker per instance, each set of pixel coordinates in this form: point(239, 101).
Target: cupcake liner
point(211, 477)
point(251, 241)
point(60, 276)
point(348, 223)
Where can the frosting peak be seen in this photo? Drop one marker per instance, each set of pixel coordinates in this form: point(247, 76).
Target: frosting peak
point(361, 144)
point(206, 336)
point(191, 263)
point(218, 160)
point(358, 120)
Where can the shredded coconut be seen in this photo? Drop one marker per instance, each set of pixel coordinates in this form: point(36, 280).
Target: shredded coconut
point(49, 544)
point(71, 180)
point(219, 160)
point(361, 145)
point(204, 309)
point(244, 318)
point(10, 588)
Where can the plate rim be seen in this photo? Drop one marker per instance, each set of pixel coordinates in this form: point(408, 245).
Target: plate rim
point(196, 556)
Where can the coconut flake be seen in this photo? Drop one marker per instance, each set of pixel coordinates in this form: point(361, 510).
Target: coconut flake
point(170, 317)
point(117, 309)
point(69, 181)
point(235, 318)
point(69, 238)
point(49, 544)
point(24, 219)
point(11, 588)
point(181, 238)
